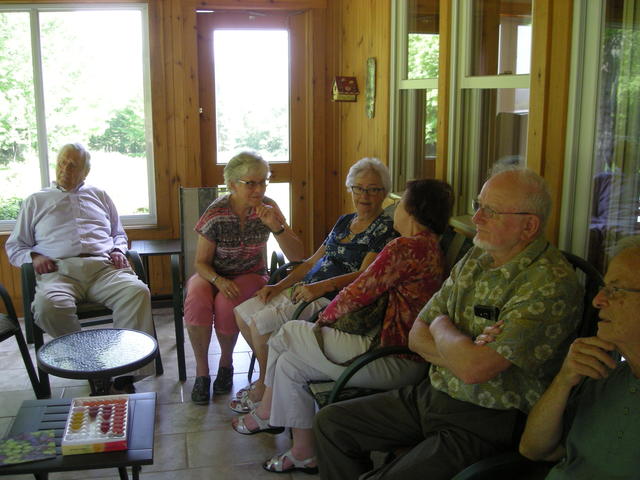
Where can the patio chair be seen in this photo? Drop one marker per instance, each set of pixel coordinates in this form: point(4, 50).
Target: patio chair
point(9, 327)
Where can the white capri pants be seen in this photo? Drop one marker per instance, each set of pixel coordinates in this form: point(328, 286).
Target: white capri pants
point(295, 358)
point(269, 317)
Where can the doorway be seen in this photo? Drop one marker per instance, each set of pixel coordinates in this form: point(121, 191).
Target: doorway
point(248, 77)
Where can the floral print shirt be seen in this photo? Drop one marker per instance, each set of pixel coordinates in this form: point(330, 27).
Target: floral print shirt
point(540, 302)
point(239, 250)
point(341, 258)
point(411, 270)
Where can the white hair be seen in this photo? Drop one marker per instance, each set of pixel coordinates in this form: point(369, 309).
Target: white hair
point(369, 164)
point(536, 198)
point(625, 243)
point(80, 150)
point(243, 163)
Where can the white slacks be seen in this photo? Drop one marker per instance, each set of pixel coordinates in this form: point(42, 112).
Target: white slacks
point(295, 358)
point(271, 316)
point(92, 279)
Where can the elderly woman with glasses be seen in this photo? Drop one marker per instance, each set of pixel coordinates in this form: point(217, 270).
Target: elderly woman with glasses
point(354, 242)
point(230, 265)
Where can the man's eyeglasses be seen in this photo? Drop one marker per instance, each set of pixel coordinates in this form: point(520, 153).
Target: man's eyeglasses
point(490, 212)
point(369, 191)
point(611, 291)
point(251, 184)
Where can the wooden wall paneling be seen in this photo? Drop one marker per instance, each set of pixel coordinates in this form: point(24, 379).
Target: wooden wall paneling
point(261, 4)
point(366, 32)
point(301, 124)
point(334, 190)
point(550, 66)
point(444, 90)
point(323, 172)
point(10, 279)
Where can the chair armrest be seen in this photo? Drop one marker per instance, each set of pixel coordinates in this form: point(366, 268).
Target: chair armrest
point(11, 312)
point(503, 466)
point(136, 263)
point(281, 272)
point(28, 278)
point(363, 360)
point(277, 260)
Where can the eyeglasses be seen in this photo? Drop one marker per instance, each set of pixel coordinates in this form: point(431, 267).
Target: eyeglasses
point(490, 212)
point(369, 191)
point(611, 291)
point(251, 184)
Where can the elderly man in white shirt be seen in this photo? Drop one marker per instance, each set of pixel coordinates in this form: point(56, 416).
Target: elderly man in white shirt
point(72, 234)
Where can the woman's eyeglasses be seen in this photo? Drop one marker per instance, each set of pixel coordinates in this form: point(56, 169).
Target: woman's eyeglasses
point(369, 191)
point(251, 184)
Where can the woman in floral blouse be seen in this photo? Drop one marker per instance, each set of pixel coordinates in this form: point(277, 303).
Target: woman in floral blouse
point(410, 269)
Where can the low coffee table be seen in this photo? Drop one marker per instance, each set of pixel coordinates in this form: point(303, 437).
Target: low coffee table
point(97, 355)
point(35, 415)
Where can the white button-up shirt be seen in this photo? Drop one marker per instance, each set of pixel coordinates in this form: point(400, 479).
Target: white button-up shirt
point(62, 224)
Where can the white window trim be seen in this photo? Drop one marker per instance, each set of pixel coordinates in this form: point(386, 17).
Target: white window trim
point(150, 218)
point(588, 23)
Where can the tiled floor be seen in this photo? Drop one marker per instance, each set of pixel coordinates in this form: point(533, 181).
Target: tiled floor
point(191, 441)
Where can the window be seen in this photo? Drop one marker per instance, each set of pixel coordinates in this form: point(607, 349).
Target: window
point(491, 66)
point(415, 83)
point(604, 128)
point(76, 73)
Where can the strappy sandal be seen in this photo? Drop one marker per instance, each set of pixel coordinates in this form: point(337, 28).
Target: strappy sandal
point(243, 404)
point(243, 392)
point(276, 464)
point(263, 425)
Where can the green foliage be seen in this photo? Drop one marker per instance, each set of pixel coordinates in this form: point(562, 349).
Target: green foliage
point(423, 56)
point(9, 208)
point(125, 134)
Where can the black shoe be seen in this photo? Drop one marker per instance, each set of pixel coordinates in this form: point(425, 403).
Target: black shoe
point(200, 392)
point(224, 381)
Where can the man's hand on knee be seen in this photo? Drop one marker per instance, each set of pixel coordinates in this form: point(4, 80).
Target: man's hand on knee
point(42, 264)
point(118, 259)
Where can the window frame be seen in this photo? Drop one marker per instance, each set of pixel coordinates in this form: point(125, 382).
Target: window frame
point(33, 9)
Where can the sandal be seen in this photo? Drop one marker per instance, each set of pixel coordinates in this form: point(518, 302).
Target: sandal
point(263, 425)
point(243, 404)
point(276, 464)
point(243, 392)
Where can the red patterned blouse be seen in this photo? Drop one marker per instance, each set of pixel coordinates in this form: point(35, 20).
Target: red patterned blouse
point(411, 269)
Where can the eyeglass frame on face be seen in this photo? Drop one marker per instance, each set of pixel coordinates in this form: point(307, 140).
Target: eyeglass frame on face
point(476, 206)
point(251, 185)
point(358, 190)
point(612, 291)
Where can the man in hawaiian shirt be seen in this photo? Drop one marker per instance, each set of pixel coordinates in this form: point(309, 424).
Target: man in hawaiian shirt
point(474, 402)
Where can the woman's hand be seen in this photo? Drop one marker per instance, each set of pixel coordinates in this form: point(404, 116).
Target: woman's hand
point(227, 287)
point(307, 293)
point(489, 333)
point(270, 217)
point(266, 293)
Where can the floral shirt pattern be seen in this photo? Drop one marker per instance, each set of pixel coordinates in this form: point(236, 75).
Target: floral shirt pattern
point(238, 250)
point(341, 258)
point(540, 302)
point(411, 269)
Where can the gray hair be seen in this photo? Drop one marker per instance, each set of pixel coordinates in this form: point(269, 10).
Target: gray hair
point(243, 163)
point(625, 243)
point(369, 164)
point(536, 198)
point(79, 150)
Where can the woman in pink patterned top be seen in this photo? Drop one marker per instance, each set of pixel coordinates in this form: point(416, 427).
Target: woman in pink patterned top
point(410, 269)
point(230, 265)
